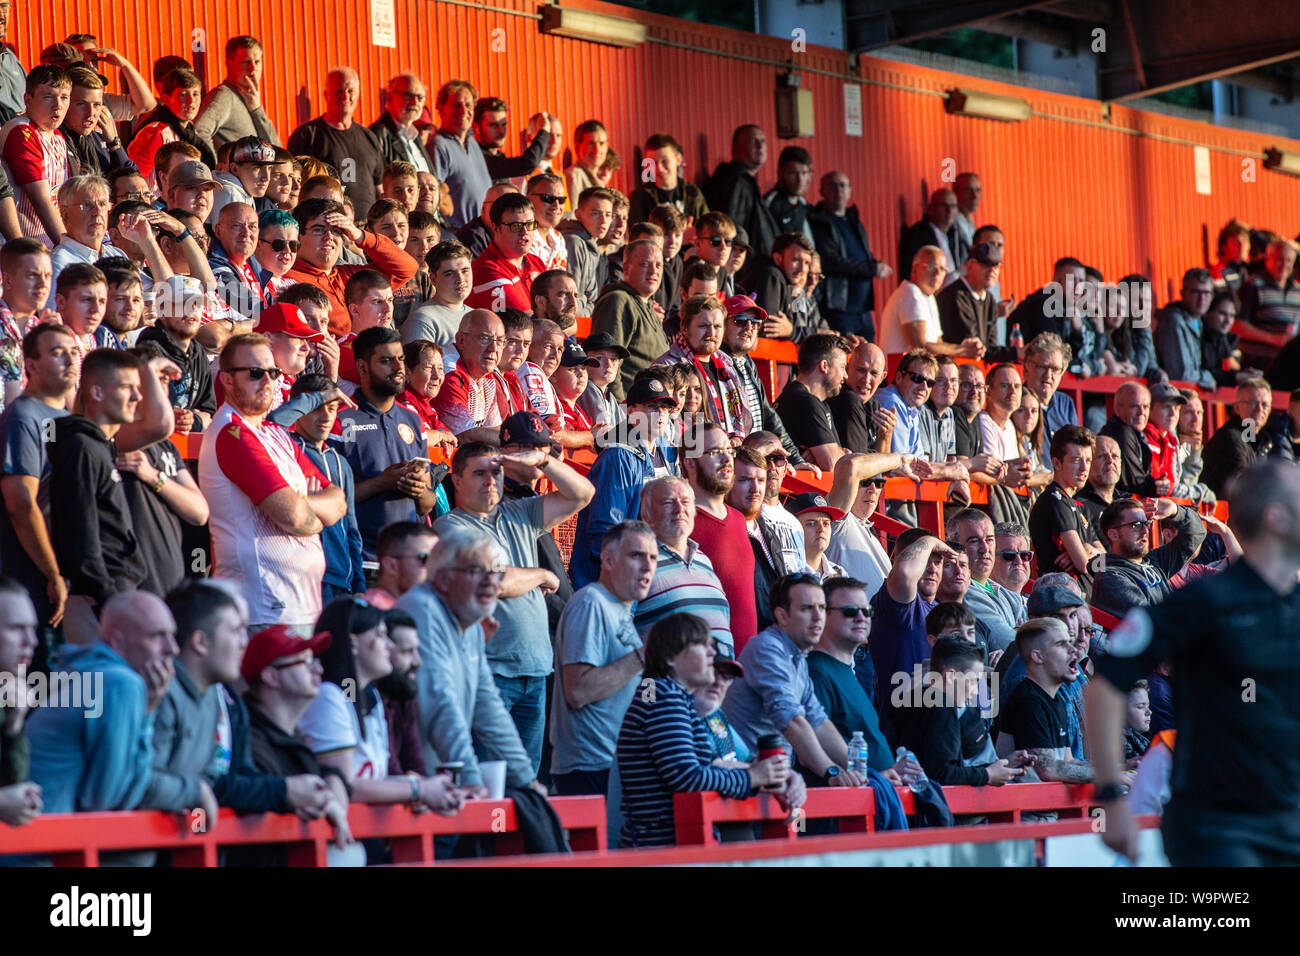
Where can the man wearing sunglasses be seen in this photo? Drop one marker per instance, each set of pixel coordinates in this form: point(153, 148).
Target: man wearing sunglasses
point(1134, 575)
point(504, 272)
point(1013, 562)
point(546, 193)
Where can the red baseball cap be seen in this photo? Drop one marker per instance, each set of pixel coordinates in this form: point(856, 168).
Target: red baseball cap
point(286, 318)
point(740, 304)
point(278, 640)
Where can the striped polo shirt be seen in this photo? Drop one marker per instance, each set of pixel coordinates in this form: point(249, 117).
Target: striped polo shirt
point(687, 585)
point(1269, 306)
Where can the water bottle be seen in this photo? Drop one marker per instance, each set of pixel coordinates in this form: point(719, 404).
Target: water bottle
point(919, 783)
point(1017, 338)
point(858, 756)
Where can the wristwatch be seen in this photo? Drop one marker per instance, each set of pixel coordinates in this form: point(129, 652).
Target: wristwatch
point(158, 485)
point(185, 234)
point(1109, 793)
point(831, 773)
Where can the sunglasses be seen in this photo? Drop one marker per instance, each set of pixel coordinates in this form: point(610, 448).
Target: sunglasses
point(778, 459)
point(519, 228)
point(850, 610)
point(548, 199)
point(746, 319)
point(255, 373)
point(280, 245)
point(1012, 555)
point(716, 241)
point(920, 379)
point(877, 482)
point(1142, 524)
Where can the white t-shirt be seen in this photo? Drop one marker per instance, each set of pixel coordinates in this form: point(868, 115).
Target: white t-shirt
point(908, 304)
point(1003, 443)
point(330, 723)
point(855, 547)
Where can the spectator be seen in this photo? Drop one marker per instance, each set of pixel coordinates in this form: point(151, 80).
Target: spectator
point(11, 73)
point(320, 402)
point(1028, 423)
point(348, 730)
point(1233, 265)
point(663, 747)
point(901, 605)
point(268, 501)
point(772, 561)
point(555, 299)
point(1239, 441)
point(191, 188)
point(1126, 426)
point(283, 675)
point(776, 695)
point(230, 256)
point(1220, 346)
point(908, 434)
point(937, 228)
point(335, 138)
point(673, 224)
point(999, 610)
point(126, 184)
point(590, 151)
point(424, 378)
point(699, 344)
point(1103, 477)
point(858, 489)
point(247, 177)
point(952, 740)
point(1187, 461)
point(1063, 536)
point(817, 519)
point(400, 693)
point(599, 656)
point(786, 531)
point(234, 109)
point(490, 125)
point(83, 207)
point(785, 201)
point(20, 800)
point(1137, 728)
point(168, 156)
point(26, 278)
point(178, 310)
point(684, 579)
point(314, 305)
point(546, 193)
point(591, 220)
point(707, 463)
point(1284, 429)
point(438, 319)
point(99, 757)
point(841, 239)
point(519, 655)
point(625, 311)
point(1271, 299)
point(504, 272)
point(733, 188)
point(780, 289)
point(1179, 331)
point(81, 298)
point(598, 402)
point(462, 714)
point(968, 308)
point(1046, 358)
point(969, 191)
point(968, 438)
point(36, 156)
point(1034, 715)
point(1014, 562)
point(26, 547)
point(458, 162)
point(715, 241)
point(403, 549)
point(399, 138)
point(1055, 309)
point(277, 250)
point(855, 408)
point(477, 234)
point(383, 441)
point(171, 121)
point(667, 185)
point(1000, 440)
point(910, 319)
point(802, 403)
point(740, 336)
point(161, 495)
point(1166, 404)
point(322, 225)
point(1134, 575)
point(467, 401)
point(88, 126)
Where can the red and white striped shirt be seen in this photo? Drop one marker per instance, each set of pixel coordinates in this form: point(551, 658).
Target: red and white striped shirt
point(32, 155)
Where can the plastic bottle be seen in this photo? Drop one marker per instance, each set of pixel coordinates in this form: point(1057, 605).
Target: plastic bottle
point(857, 762)
point(919, 783)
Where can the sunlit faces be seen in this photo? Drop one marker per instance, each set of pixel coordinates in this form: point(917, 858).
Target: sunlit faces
point(82, 307)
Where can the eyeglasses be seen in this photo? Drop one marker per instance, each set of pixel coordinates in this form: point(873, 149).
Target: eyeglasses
point(720, 454)
point(255, 372)
point(519, 228)
point(974, 388)
point(920, 379)
point(494, 575)
point(422, 557)
point(548, 198)
point(1054, 369)
point(850, 611)
point(1142, 524)
point(280, 245)
point(321, 232)
point(716, 241)
point(487, 341)
point(1011, 555)
point(776, 459)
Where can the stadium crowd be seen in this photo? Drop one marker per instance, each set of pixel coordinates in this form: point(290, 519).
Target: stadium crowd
point(610, 586)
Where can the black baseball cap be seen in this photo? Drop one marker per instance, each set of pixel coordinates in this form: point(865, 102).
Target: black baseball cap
point(573, 355)
point(649, 391)
point(986, 254)
point(603, 341)
point(525, 428)
point(811, 501)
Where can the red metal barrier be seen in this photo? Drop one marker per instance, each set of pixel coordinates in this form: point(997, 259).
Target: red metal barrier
point(79, 839)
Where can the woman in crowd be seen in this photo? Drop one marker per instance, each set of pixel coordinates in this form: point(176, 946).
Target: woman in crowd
point(1028, 421)
point(663, 747)
point(277, 251)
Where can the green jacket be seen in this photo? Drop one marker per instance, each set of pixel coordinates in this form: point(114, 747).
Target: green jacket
point(635, 325)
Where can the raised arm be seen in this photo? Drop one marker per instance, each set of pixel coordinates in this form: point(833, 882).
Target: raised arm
point(910, 566)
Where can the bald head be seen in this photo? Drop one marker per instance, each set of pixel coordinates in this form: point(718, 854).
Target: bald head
point(480, 340)
point(942, 209)
point(866, 369)
point(495, 192)
point(140, 627)
point(929, 266)
point(1133, 404)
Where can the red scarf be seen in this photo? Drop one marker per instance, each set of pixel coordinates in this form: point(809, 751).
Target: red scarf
point(726, 394)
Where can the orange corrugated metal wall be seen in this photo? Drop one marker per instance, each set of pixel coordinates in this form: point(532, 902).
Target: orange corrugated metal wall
point(1070, 180)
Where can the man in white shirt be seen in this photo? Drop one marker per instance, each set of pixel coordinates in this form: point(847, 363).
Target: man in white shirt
point(910, 319)
point(857, 490)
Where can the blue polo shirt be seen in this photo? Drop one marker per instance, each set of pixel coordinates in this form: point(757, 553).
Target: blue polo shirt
point(909, 437)
point(370, 441)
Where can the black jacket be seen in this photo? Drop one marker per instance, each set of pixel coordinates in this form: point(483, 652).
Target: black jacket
point(1127, 583)
point(501, 166)
point(774, 295)
point(962, 316)
point(767, 571)
point(391, 145)
point(1031, 315)
point(920, 234)
point(475, 236)
point(734, 190)
point(941, 740)
point(1135, 465)
point(1284, 373)
point(94, 536)
point(747, 372)
point(837, 267)
point(194, 388)
point(91, 155)
point(243, 787)
point(1227, 453)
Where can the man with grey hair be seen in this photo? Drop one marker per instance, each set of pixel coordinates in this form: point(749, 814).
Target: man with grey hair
point(83, 204)
point(1046, 358)
point(347, 146)
point(462, 717)
point(1013, 561)
point(599, 656)
point(971, 530)
point(399, 141)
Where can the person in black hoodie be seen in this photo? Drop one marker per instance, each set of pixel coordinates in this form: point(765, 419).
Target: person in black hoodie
point(952, 741)
point(179, 304)
point(94, 536)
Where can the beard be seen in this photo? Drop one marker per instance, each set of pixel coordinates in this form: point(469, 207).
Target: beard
point(397, 686)
point(711, 483)
point(387, 387)
point(750, 509)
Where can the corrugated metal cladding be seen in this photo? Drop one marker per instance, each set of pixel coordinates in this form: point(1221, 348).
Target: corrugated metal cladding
point(1117, 189)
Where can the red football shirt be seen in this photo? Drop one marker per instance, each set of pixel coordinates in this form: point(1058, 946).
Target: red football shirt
point(500, 284)
point(727, 545)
